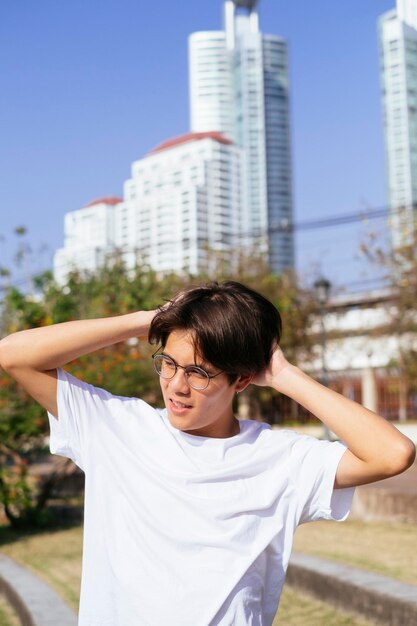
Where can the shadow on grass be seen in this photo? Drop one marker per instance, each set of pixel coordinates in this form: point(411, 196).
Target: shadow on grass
point(58, 522)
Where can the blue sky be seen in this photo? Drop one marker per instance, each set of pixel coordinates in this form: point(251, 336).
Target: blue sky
point(88, 86)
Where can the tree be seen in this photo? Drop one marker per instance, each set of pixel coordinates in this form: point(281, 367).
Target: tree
point(400, 268)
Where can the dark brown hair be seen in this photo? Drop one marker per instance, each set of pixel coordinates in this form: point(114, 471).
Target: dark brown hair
point(234, 328)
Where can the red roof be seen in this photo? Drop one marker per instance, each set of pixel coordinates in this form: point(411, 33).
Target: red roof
point(176, 141)
point(112, 200)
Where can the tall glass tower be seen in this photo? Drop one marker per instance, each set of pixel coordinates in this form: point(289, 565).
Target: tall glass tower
point(398, 53)
point(239, 86)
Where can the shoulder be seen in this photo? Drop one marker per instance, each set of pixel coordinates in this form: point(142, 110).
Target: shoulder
point(284, 436)
point(252, 431)
point(66, 379)
point(271, 443)
point(73, 390)
point(298, 447)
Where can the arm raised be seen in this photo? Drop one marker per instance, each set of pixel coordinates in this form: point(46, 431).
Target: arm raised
point(376, 449)
point(32, 356)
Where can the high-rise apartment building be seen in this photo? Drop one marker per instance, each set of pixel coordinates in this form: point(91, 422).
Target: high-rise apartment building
point(398, 53)
point(239, 86)
point(181, 211)
point(182, 204)
point(222, 187)
point(89, 237)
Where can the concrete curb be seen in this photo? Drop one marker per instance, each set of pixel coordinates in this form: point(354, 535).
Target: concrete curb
point(34, 601)
point(378, 598)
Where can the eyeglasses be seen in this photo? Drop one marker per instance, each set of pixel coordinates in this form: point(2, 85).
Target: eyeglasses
point(196, 377)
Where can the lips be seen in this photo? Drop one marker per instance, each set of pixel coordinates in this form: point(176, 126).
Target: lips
point(178, 407)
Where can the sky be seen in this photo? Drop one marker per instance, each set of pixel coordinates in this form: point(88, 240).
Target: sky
point(89, 86)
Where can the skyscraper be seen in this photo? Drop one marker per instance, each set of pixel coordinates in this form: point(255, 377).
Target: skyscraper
point(180, 213)
point(89, 238)
point(239, 86)
point(225, 185)
point(398, 53)
point(182, 204)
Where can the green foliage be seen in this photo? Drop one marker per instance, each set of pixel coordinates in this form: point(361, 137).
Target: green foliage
point(22, 312)
point(21, 494)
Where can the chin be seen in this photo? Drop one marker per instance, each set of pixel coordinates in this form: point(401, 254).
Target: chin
point(179, 422)
point(186, 426)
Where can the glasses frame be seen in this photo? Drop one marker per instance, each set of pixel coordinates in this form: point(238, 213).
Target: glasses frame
point(186, 369)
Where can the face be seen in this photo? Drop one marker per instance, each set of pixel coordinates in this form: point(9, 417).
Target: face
point(207, 413)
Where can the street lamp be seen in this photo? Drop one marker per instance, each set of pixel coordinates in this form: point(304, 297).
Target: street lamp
point(322, 288)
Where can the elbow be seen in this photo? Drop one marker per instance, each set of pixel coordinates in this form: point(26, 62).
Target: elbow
point(6, 354)
point(411, 454)
point(403, 458)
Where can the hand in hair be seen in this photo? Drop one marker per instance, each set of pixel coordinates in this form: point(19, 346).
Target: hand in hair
point(269, 377)
point(376, 449)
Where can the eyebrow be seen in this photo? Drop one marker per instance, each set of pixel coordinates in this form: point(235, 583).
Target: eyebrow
point(202, 365)
point(171, 357)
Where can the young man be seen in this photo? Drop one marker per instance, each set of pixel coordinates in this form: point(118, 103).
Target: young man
point(190, 513)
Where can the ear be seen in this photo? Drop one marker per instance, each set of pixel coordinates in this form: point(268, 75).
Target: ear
point(242, 382)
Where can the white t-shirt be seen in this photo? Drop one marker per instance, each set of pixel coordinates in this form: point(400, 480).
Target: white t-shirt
point(186, 530)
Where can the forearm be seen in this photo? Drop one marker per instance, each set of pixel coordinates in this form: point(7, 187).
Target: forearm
point(53, 346)
point(368, 436)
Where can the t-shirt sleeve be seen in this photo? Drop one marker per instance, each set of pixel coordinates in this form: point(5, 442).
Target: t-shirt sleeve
point(315, 465)
point(79, 406)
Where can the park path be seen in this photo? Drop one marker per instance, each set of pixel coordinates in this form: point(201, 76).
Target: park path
point(35, 602)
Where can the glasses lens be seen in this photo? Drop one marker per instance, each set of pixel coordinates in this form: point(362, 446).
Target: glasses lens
point(197, 378)
point(164, 366)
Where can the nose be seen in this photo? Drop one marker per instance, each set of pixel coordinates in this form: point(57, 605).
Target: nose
point(179, 383)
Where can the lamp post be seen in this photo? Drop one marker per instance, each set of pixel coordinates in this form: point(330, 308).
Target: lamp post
point(322, 288)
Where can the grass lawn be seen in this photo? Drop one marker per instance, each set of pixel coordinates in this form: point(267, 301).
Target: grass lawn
point(54, 556)
point(7, 616)
point(380, 547)
point(301, 610)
